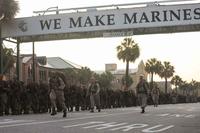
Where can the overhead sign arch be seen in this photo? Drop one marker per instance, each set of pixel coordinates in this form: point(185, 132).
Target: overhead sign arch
point(148, 19)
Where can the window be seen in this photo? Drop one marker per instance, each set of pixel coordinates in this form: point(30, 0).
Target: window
point(42, 74)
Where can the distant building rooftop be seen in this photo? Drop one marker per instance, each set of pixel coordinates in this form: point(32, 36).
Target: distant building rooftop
point(52, 62)
point(120, 71)
point(59, 63)
point(26, 59)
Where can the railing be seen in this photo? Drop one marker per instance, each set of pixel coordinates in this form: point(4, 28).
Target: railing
point(113, 6)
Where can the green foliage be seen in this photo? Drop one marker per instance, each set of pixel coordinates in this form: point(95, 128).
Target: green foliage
point(105, 80)
point(8, 9)
point(129, 79)
point(74, 76)
point(176, 81)
point(167, 71)
point(84, 75)
point(8, 59)
point(128, 50)
point(153, 66)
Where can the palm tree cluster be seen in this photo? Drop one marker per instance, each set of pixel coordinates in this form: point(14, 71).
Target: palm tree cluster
point(165, 70)
point(185, 87)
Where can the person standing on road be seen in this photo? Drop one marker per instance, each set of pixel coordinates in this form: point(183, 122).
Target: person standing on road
point(155, 95)
point(142, 92)
point(57, 86)
point(94, 90)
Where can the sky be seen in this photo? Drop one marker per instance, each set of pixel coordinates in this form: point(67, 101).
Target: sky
point(182, 50)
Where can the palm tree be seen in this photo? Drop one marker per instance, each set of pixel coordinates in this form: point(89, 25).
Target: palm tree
point(166, 72)
point(9, 59)
point(194, 87)
point(176, 81)
point(153, 66)
point(128, 51)
point(184, 87)
point(8, 9)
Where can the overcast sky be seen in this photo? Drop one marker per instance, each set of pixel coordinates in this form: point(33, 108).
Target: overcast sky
point(181, 49)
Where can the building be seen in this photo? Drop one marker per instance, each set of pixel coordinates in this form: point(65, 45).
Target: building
point(43, 66)
point(119, 73)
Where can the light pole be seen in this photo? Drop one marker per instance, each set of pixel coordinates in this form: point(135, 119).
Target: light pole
point(33, 61)
point(1, 47)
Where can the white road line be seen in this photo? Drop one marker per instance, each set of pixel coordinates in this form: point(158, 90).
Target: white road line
point(15, 121)
point(99, 125)
point(83, 124)
point(62, 120)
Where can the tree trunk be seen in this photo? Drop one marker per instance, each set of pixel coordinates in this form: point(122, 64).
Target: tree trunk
point(151, 85)
point(127, 72)
point(165, 85)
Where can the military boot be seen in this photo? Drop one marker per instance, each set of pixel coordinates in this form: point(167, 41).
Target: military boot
point(53, 111)
point(64, 113)
point(92, 110)
point(143, 110)
point(99, 109)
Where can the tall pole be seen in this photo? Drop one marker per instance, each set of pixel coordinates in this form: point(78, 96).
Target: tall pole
point(1, 52)
point(33, 61)
point(17, 64)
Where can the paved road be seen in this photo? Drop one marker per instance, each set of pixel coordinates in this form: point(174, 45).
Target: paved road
point(180, 118)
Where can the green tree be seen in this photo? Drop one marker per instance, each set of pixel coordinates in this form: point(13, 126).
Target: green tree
point(8, 10)
point(71, 76)
point(105, 80)
point(128, 82)
point(84, 75)
point(176, 81)
point(9, 60)
point(184, 87)
point(194, 87)
point(153, 66)
point(167, 71)
point(128, 51)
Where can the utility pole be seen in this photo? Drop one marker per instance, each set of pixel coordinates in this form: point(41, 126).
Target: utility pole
point(17, 64)
point(33, 56)
point(1, 52)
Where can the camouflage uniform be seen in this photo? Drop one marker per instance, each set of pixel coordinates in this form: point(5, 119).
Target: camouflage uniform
point(57, 86)
point(155, 95)
point(3, 97)
point(15, 97)
point(43, 97)
point(94, 90)
point(142, 93)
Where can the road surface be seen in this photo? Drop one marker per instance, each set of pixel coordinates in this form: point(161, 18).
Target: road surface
point(177, 118)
